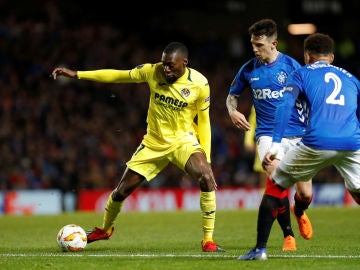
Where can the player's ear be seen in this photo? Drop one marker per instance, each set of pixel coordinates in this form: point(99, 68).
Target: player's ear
point(186, 61)
point(306, 57)
point(331, 58)
point(274, 43)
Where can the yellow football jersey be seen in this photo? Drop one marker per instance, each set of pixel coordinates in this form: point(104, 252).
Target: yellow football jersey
point(172, 107)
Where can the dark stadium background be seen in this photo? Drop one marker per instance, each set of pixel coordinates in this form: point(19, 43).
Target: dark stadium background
point(70, 134)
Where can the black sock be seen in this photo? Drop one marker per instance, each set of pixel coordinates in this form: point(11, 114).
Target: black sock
point(300, 205)
point(283, 217)
point(266, 217)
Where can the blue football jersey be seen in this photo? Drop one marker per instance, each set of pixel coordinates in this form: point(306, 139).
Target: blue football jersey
point(266, 83)
point(333, 96)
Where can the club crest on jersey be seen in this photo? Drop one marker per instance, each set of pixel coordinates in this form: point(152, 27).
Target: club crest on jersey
point(281, 77)
point(185, 92)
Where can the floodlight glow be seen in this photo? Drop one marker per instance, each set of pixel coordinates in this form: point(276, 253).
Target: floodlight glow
point(301, 29)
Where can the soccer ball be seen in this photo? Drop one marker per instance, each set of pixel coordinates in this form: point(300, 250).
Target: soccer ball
point(72, 238)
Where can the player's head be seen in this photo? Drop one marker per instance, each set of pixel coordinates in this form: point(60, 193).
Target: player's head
point(174, 59)
point(263, 37)
point(318, 47)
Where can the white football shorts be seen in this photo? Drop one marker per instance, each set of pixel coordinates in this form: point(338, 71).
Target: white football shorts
point(302, 163)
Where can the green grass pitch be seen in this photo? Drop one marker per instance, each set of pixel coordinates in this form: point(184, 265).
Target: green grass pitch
point(171, 240)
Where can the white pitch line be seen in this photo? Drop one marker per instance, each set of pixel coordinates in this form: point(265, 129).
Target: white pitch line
point(212, 255)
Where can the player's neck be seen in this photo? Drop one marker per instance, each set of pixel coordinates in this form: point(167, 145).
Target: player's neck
point(322, 59)
point(272, 58)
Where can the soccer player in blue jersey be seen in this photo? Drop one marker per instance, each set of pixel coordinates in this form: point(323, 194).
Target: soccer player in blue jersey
point(265, 75)
point(178, 95)
point(332, 136)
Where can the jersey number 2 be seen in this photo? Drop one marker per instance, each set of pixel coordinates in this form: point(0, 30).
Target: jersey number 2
point(334, 97)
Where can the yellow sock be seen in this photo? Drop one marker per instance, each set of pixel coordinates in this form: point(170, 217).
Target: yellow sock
point(208, 210)
point(112, 209)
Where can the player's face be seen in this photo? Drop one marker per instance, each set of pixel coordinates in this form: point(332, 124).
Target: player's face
point(174, 65)
point(264, 48)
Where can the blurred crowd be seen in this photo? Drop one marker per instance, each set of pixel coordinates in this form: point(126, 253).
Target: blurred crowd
point(72, 134)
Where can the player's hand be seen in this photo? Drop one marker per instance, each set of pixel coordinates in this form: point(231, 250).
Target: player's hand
point(63, 72)
point(268, 158)
point(239, 120)
point(271, 155)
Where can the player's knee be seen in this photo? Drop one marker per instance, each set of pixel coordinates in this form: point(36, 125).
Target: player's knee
point(305, 195)
point(118, 196)
point(205, 183)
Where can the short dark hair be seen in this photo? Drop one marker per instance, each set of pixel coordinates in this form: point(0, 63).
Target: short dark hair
point(267, 27)
point(319, 43)
point(176, 47)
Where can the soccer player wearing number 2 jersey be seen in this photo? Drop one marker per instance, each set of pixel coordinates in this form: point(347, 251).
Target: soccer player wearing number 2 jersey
point(332, 136)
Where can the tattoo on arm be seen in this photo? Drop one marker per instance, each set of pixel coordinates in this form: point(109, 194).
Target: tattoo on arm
point(231, 103)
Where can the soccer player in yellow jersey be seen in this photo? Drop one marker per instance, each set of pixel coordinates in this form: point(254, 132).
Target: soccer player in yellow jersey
point(178, 96)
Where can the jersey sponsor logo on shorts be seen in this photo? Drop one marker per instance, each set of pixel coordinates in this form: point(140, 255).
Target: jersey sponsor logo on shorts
point(254, 79)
